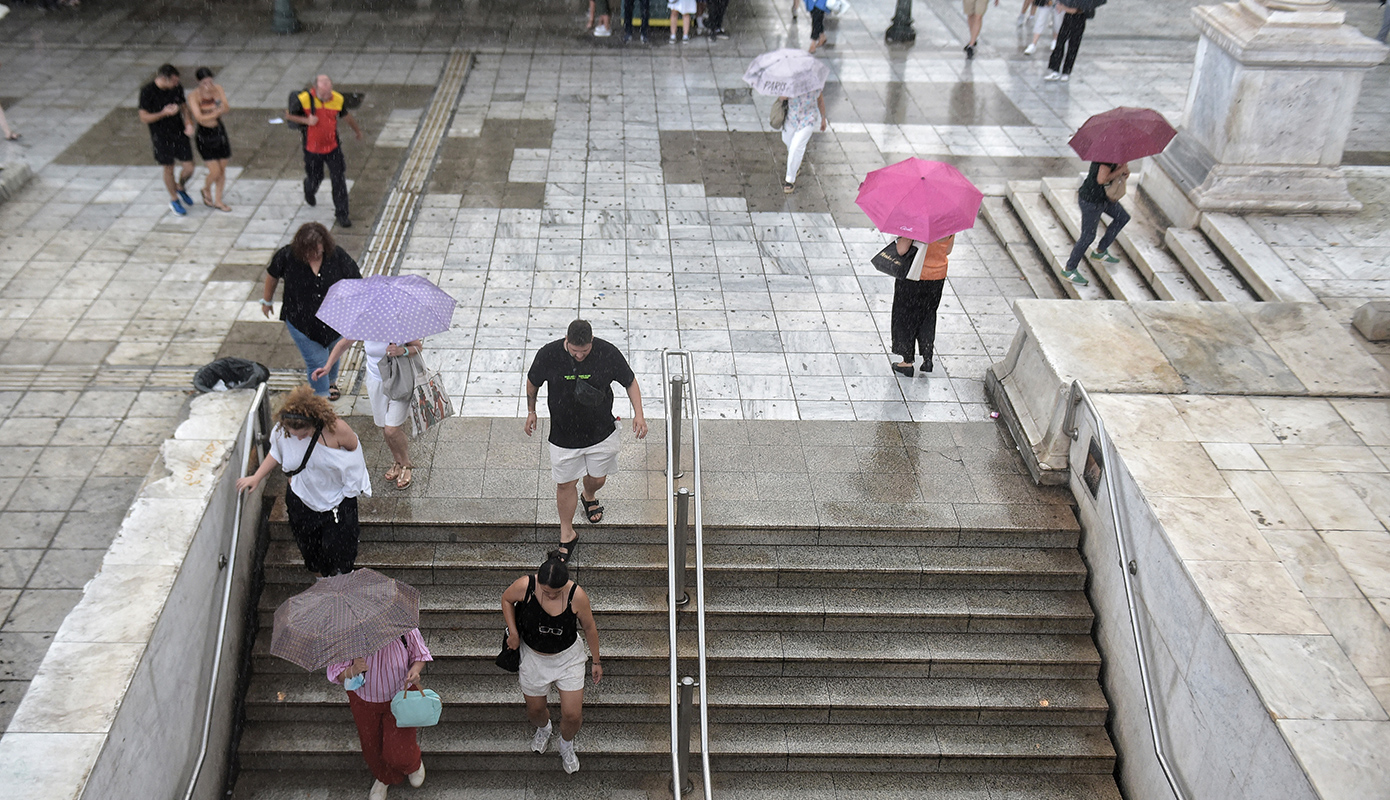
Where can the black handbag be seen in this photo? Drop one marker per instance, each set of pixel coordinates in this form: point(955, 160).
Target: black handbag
point(585, 393)
point(508, 659)
point(893, 265)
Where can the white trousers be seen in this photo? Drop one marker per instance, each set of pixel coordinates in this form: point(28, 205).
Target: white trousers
point(796, 142)
point(1047, 17)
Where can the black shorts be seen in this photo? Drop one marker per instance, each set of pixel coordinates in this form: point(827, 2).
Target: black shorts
point(213, 143)
point(169, 149)
point(817, 23)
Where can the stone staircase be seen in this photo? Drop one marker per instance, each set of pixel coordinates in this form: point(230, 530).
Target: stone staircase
point(1223, 259)
point(941, 663)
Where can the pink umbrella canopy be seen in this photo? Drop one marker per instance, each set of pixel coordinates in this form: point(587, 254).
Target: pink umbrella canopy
point(1122, 134)
point(924, 200)
point(343, 617)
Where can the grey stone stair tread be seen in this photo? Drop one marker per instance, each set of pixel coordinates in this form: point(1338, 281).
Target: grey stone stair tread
point(1011, 233)
point(901, 562)
point(651, 645)
point(1027, 201)
point(1142, 239)
point(542, 784)
point(769, 601)
point(1123, 279)
point(879, 741)
point(1262, 268)
point(1205, 267)
point(652, 690)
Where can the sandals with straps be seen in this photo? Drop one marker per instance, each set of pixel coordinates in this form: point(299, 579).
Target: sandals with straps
point(591, 509)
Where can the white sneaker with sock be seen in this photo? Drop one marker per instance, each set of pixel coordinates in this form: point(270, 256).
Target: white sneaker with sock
point(418, 776)
point(1065, 77)
point(542, 739)
point(1052, 76)
point(1030, 49)
point(568, 759)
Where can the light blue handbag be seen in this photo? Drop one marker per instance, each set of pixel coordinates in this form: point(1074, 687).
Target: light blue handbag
point(418, 708)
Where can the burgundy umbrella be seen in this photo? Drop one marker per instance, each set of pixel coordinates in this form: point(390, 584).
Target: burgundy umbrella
point(1122, 134)
point(923, 200)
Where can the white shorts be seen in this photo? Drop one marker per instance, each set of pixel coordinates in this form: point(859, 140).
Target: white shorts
point(385, 411)
point(563, 670)
point(596, 461)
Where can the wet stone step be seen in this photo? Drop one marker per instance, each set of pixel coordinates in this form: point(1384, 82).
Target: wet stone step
point(788, 566)
point(774, 654)
point(733, 609)
point(543, 780)
point(753, 747)
point(644, 698)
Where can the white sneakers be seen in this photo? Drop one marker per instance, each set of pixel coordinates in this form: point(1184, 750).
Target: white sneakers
point(602, 30)
point(1065, 77)
point(1030, 49)
point(568, 759)
point(378, 791)
point(418, 776)
point(1052, 76)
point(542, 739)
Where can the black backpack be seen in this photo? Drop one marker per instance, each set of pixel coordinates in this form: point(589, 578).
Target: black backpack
point(295, 107)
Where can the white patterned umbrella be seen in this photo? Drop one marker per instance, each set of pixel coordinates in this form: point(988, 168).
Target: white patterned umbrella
point(786, 73)
point(386, 308)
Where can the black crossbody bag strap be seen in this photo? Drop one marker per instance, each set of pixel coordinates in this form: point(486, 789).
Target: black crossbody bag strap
point(312, 442)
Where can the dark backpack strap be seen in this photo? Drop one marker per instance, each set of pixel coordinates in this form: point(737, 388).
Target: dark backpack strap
point(530, 588)
point(318, 431)
point(570, 599)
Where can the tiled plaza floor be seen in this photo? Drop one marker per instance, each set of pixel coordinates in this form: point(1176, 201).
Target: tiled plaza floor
point(638, 187)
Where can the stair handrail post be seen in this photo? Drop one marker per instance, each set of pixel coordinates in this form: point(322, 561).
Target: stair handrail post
point(673, 405)
point(1128, 568)
point(683, 733)
point(682, 542)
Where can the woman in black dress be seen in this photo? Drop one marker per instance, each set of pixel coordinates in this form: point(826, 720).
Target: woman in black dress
point(208, 103)
point(310, 264)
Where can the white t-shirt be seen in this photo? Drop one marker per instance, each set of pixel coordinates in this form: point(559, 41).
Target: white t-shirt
point(332, 474)
point(373, 352)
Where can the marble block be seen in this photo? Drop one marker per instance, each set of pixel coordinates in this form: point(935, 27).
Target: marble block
point(1372, 320)
point(1215, 349)
point(1344, 759)
point(78, 688)
point(1103, 345)
point(1211, 529)
point(48, 766)
point(1317, 349)
point(1254, 597)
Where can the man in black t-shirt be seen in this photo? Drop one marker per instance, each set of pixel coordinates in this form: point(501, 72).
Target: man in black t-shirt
point(164, 109)
point(584, 440)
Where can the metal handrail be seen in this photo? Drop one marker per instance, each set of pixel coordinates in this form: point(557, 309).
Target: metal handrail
point(1128, 567)
point(253, 417)
point(678, 747)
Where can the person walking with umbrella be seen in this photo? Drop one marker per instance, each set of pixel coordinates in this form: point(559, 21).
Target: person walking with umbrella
point(1109, 141)
point(925, 204)
point(544, 612)
point(1068, 40)
point(381, 311)
point(310, 264)
point(327, 473)
point(798, 79)
point(332, 624)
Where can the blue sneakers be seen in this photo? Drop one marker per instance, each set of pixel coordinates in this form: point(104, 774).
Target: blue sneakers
point(175, 207)
point(188, 201)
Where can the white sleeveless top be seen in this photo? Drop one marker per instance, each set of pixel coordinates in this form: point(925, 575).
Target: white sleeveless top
point(332, 474)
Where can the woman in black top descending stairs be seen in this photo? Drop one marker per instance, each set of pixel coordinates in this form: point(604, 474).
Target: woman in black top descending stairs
point(543, 613)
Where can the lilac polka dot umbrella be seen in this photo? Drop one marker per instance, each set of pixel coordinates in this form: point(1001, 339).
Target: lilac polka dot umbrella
point(382, 308)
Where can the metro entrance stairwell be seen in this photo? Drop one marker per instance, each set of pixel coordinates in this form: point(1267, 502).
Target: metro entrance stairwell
point(940, 647)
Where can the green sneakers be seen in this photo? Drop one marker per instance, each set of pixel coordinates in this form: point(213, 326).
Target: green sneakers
point(1075, 277)
point(1103, 255)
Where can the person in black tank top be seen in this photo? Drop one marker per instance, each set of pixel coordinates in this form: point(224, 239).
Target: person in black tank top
point(544, 612)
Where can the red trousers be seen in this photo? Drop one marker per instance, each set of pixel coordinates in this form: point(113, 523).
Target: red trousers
point(391, 753)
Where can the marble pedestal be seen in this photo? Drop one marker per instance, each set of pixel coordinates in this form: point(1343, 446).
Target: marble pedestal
point(1268, 112)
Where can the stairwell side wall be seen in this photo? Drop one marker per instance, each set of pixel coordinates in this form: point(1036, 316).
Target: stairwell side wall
point(1218, 736)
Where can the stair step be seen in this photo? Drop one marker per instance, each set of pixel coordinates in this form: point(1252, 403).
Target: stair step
point(776, 654)
point(1025, 197)
point(801, 609)
point(1262, 268)
point(1207, 269)
point(733, 748)
point(1142, 239)
point(1123, 279)
point(1011, 233)
point(545, 781)
point(645, 698)
point(754, 565)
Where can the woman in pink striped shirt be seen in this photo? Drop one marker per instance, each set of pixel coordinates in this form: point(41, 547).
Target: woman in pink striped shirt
point(392, 753)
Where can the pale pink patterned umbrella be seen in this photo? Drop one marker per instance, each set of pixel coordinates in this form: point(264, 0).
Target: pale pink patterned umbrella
point(344, 617)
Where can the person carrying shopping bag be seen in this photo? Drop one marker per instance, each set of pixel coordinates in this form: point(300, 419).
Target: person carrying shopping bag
point(392, 753)
point(389, 414)
point(915, 300)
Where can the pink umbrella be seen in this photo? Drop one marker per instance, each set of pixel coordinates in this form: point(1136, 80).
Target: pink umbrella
point(924, 200)
point(1122, 134)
